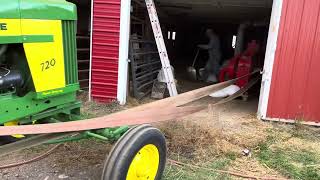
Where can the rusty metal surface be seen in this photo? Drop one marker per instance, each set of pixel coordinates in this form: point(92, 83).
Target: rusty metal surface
point(295, 84)
point(105, 49)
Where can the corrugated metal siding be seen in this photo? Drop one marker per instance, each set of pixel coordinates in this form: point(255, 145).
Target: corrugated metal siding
point(295, 86)
point(105, 49)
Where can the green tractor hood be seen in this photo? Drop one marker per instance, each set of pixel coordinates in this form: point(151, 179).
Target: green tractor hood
point(38, 9)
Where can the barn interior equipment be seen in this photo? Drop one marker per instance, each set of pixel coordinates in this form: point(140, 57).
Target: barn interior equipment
point(191, 70)
point(39, 83)
point(240, 65)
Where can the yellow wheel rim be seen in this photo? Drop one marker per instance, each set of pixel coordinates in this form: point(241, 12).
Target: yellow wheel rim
point(145, 164)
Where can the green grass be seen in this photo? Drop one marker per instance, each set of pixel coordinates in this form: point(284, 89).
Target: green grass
point(190, 173)
point(295, 164)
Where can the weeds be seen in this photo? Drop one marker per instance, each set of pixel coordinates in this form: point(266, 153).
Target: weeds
point(292, 163)
point(186, 173)
point(94, 109)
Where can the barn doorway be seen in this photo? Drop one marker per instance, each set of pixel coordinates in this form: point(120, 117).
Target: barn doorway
point(237, 24)
point(83, 41)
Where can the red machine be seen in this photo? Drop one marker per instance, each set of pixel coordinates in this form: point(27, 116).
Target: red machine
point(240, 65)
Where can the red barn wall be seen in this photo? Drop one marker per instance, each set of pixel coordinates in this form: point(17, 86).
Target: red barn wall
point(295, 85)
point(105, 49)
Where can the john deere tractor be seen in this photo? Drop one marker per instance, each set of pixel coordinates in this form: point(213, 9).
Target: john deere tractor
point(39, 82)
point(38, 63)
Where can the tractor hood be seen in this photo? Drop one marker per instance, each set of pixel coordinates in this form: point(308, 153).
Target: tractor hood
point(38, 9)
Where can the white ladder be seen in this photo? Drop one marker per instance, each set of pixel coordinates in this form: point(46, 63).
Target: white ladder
point(166, 67)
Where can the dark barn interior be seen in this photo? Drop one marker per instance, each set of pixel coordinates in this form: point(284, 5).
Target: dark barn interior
point(184, 24)
point(83, 40)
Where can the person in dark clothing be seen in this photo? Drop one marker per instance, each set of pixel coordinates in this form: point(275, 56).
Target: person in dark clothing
point(213, 64)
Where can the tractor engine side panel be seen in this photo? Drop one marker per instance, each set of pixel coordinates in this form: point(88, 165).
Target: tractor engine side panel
point(38, 61)
point(45, 59)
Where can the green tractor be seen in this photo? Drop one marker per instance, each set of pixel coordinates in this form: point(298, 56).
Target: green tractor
point(39, 84)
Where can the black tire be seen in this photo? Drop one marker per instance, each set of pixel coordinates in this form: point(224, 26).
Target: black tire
point(121, 156)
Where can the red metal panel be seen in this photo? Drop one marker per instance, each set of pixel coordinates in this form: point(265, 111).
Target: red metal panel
point(295, 87)
point(105, 50)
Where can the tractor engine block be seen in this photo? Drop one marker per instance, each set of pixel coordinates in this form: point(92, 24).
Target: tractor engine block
point(10, 79)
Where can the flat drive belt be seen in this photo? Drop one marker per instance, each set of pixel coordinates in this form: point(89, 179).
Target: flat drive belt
point(158, 111)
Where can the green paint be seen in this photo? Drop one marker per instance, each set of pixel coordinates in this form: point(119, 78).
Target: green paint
point(113, 133)
point(97, 136)
point(67, 109)
point(48, 9)
point(10, 39)
point(11, 11)
point(70, 51)
point(108, 134)
point(24, 104)
point(14, 108)
point(58, 92)
point(26, 39)
point(37, 38)
point(38, 9)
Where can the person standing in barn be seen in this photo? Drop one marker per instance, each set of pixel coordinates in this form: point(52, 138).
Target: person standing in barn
point(213, 64)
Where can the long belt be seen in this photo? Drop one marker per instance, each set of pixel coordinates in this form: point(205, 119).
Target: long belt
point(158, 111)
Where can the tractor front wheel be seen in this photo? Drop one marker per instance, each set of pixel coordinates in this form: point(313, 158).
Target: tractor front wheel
point(140, 154)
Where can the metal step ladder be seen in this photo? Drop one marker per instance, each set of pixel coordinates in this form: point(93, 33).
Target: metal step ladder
point(166, 67)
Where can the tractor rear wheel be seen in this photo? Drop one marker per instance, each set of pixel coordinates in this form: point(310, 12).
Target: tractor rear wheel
point(140, 154)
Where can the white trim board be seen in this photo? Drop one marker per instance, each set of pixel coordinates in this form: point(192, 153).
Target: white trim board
point(291, 121)
point(269, 58)
point(123, 51)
